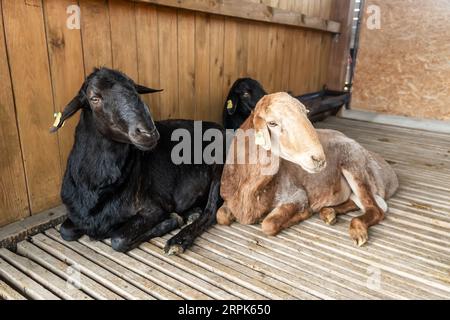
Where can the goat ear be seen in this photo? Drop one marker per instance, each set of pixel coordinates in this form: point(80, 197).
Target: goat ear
point(68, 111)
point(231, 103)
point(143, 89)
point(262, 135)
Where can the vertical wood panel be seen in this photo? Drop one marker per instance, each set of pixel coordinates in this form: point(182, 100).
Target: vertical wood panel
point(96, 34)
point(186, 64)
point(13, 191)
point(123, 37)
point(202, 56)
point(28, 57)
point(216, 67)
point(148, 54)
point(66, 66)
point(168, 59)
point(195, 57)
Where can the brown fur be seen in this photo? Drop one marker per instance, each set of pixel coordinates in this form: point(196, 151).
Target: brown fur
point(292, 193)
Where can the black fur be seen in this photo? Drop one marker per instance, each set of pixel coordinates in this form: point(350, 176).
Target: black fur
point(244, 95)
point(128, 190)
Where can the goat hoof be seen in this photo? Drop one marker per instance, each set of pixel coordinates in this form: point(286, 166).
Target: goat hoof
point(178, 218)
point(358, 232)
point(119, 244)
point(328, 215)
point(69, 232)
point(192, 217)
point(175, 249)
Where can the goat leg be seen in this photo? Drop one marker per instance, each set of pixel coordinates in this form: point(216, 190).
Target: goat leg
point(183, 239)
point(283, 217)
point(329, 214)
point(69, 232)
point(132, 233)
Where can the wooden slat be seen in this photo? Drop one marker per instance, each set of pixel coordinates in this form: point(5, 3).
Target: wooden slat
point(8, 293)
point(202, 73)
point(123, 37)
point(148, 54)
point(168, 62)
point(20, 230)
point(252, 11)
point(96, 34)
point(44, 276)
point(13, 190)
point(106, 278)
point(241, 274)
point(63, 269)
point(216, 67)
point(66, 67)
point(186, 64)
point(33, 99)
point(25, 284)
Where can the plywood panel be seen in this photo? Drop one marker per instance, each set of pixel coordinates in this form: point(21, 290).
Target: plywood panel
point(403, 68)
point(28, 59)
point(216, 62)
point(66, 67)
point(13, 191)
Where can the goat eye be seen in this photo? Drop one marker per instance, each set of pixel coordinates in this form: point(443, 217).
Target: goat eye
point(272, 124)
point(95, 100)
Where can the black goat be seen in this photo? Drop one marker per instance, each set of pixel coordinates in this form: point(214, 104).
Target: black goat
point(242, 99)
point(246, 92)
point(120, 180)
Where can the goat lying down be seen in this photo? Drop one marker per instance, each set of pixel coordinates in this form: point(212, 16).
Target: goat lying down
point(120, 181)
point(319, 171)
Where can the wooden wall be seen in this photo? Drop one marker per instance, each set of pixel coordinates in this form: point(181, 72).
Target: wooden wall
point(194, 56)
point(403, 68)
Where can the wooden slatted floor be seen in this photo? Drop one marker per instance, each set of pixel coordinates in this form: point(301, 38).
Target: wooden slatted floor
point(407, 257)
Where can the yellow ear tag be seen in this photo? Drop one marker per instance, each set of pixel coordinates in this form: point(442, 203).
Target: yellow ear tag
point(57, 119)
point(229, 104)
point(259, 139)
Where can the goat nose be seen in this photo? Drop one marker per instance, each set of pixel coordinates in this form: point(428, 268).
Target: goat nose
point(143, 132)
point(318, 162)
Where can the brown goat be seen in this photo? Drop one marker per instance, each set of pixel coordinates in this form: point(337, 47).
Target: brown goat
point(319, 171)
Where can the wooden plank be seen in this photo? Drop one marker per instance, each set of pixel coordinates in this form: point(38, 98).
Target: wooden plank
point(216, 67)
point(243, 275)
point(177, 287)
point(148, 54)
point(228, 289)
point(34, 101)
point(43, 276)
point(351, 270)
point(202, 73)
point(229, 60)
point(13, 189)
point(64, 270)
point(252, 11)
point(92, 249)
point(25, 284)
point(96, 34)
point(66, 66)
point(341, 11)
point(168, 62)
point(186, 64)
point(123, 37)
point(8, 293)
point(105, 277)
point(20, 230)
